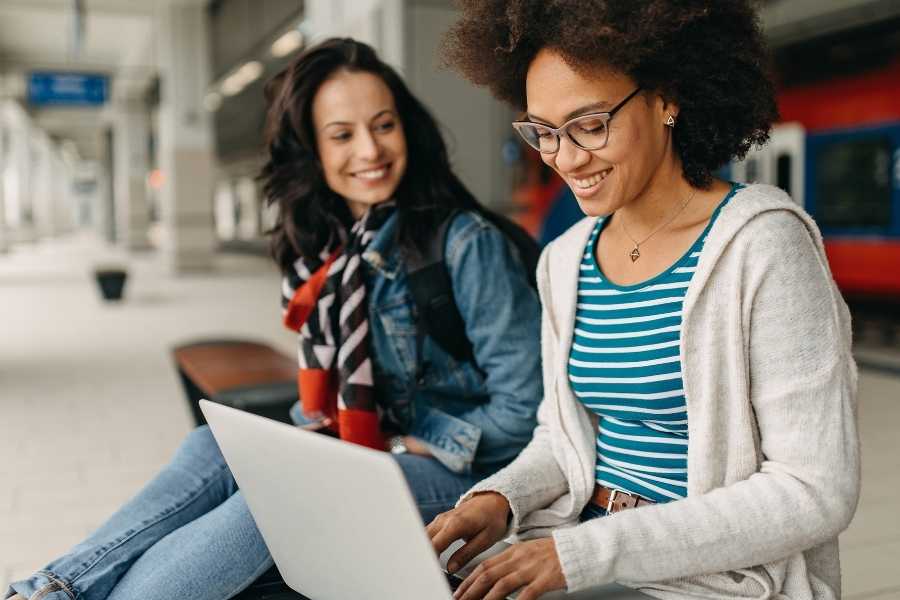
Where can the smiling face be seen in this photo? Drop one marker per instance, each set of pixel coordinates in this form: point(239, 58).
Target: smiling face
point(360, 140)
point(639, 146)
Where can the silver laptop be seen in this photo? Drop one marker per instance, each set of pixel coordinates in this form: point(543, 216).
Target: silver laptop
point(338, 518)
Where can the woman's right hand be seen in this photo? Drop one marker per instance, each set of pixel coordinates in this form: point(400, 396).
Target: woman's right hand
point(481, 521)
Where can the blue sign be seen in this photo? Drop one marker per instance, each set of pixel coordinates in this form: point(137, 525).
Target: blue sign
point(67, 89)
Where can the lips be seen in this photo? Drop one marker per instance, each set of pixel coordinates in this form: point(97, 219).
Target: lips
point(373, 174)
point(585, 183)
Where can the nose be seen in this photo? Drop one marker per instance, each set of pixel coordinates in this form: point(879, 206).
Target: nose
point(367, 146)
point(570, 157)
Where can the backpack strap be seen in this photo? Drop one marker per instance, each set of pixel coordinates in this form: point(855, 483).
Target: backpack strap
point(432, 292)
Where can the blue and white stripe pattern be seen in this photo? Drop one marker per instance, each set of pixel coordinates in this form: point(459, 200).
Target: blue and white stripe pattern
point(624, 365)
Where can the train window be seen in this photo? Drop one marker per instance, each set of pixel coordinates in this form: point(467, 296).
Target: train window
point(783, 167)
point(853, 183)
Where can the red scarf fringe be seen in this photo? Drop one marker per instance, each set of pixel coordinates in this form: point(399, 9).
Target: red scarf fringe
point(319, 388)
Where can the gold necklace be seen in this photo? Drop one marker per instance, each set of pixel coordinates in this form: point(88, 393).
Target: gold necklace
point(636, 251)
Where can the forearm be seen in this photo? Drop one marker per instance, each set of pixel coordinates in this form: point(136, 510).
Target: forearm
point(756, 521)
point(532, 481)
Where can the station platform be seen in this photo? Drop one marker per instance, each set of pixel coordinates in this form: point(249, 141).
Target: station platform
point(91, 406)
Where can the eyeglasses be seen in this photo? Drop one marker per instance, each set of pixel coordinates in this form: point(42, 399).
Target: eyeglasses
point(588, 132)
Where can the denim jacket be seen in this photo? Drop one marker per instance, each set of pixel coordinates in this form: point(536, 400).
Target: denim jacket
point(472, 418)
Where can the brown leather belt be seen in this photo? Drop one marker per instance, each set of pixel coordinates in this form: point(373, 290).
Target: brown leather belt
point(615, 500)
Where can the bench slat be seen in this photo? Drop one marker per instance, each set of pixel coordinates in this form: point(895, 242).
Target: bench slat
point(216, 367)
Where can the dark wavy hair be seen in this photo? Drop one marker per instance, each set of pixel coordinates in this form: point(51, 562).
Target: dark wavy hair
point(708, 56)
point(311, 214)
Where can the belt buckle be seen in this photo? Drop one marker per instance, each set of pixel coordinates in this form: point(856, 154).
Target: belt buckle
point(612, 499)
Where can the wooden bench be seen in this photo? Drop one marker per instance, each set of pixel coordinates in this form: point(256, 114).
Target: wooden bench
point(243, 374)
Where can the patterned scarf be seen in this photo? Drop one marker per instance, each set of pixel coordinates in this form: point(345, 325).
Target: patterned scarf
point(325, 300)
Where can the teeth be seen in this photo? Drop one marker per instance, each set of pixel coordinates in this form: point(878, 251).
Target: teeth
point(592, 180)
point(373, 174)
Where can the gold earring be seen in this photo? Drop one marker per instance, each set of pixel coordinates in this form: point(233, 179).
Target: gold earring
point(670, 122)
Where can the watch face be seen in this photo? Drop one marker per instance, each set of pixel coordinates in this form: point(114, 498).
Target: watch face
point(397, 445)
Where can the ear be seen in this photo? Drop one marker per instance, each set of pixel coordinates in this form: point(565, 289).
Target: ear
point(665, 108)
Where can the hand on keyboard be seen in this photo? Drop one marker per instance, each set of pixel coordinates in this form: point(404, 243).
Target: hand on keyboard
point(531, 567)
point(481, 521)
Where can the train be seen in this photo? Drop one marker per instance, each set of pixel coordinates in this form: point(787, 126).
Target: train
point(836, 151)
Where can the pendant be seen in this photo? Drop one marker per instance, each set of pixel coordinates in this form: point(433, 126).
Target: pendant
point(635, 254)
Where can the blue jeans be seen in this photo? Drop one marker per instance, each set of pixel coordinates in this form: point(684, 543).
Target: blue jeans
point(189, 534)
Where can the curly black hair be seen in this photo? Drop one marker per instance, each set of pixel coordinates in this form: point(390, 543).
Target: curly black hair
point(708, 56)
point(310, 214)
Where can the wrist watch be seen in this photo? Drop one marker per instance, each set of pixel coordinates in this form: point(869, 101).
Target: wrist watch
point(397, 445)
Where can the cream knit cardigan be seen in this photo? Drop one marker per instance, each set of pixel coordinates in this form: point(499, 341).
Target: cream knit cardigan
point(773, 453)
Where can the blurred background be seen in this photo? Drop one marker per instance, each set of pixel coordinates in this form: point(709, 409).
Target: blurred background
point(133, 255)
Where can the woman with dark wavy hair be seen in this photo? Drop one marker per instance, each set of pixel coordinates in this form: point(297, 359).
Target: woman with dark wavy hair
point(361, 177)
point(697, 438)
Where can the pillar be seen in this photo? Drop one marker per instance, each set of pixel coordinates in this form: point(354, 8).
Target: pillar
point(185, 137)
point(131, 135)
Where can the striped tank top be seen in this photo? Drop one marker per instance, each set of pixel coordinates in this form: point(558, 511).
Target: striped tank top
point(624, 365)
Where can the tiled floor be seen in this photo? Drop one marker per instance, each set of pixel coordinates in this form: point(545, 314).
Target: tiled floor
point(870, 548)
point(90, 406)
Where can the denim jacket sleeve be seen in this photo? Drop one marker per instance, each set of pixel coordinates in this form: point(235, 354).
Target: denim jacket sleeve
point(502, 316)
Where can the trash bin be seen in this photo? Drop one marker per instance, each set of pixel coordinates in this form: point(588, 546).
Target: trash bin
point(111, 282)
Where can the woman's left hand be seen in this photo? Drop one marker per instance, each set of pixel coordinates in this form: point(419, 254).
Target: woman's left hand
point(415, 446)
point(531, 566)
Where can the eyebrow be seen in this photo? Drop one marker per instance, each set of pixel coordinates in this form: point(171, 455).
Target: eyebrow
point(379, 114)
point(583, 110)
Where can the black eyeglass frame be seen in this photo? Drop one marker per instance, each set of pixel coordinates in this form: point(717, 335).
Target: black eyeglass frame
point(564, 128)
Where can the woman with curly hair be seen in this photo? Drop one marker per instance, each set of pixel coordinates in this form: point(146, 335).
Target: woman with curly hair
point(697, 436)
point(361, 176)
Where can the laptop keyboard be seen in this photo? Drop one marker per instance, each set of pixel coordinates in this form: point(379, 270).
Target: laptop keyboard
point(453, 580)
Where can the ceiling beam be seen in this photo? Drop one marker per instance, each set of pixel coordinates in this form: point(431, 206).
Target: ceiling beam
point(791, 21)
point(121, 8)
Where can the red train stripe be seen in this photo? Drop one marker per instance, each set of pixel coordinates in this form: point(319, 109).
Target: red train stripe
point(865, 266)
point(865, 99)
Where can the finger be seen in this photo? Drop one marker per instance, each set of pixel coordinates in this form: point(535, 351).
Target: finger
point(470, 579)
point(529, 593)
point(501, 564)
point(483, 578)
point(472, 548)
point(507, 585)
point(436, 523)
point(450, 530)
point(534, 590)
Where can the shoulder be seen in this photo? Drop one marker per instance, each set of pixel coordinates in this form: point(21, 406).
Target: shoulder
point(763, 218)
point(757, 203)
point(466, 223)
point(471, 230)
point(762, 235)
point(755, 198)
point(766, 218)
